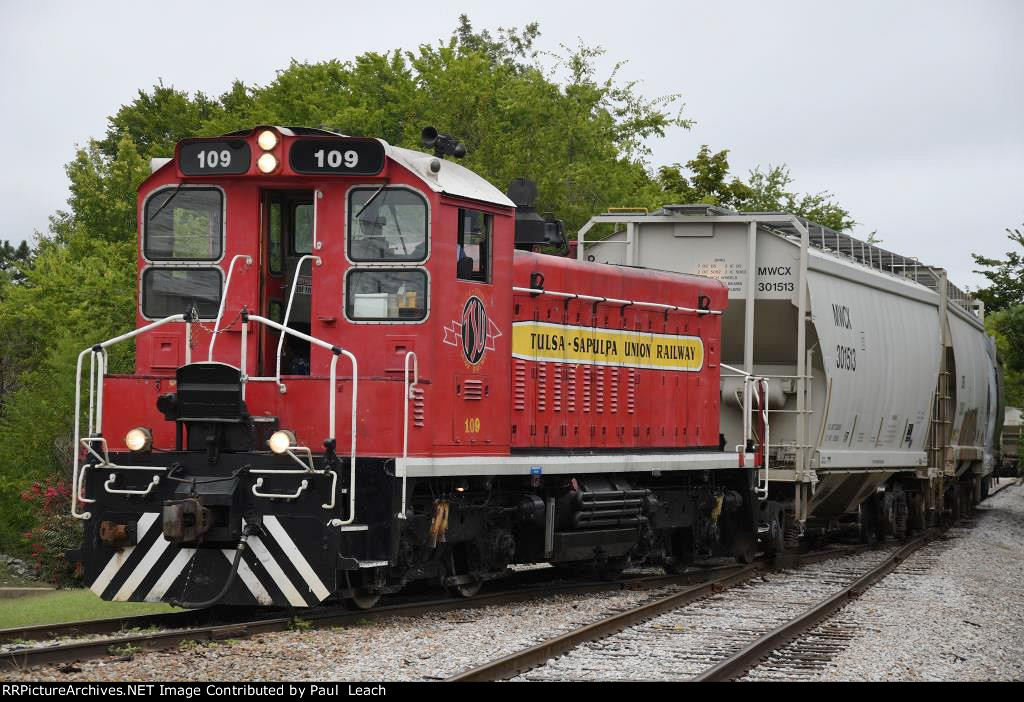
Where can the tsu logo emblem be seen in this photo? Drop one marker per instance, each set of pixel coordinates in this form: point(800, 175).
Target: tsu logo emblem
point(475, 333)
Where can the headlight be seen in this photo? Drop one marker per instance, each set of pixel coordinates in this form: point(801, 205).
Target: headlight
point(267, 163)
point(138, 439)
point(267, 140)
point(281, 440)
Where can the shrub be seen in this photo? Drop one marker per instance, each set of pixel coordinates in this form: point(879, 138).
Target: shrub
point(55, 532)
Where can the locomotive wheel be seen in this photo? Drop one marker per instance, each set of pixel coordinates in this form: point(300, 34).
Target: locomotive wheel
point(360, 596)
point(363, 599)
point(466, 590)
point(612, 568)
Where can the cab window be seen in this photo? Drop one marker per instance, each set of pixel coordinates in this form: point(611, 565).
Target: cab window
point(167, 291)
point(184, 224)
point(386, 295)
point(474, 246)
point(387, 224)
point(302, 228)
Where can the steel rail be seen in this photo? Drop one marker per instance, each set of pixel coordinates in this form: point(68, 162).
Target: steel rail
point(525, 659)
point(23, 658)
point(750, 655)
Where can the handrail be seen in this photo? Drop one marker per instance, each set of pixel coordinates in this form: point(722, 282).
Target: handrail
point(277, 496)
point(96, 401)
point(755, 387)
point(288, 310)
point(126, 491)
point(337, 351)
point(98, 364)
point(409, 389)
point(615, 301)
point(224, 300)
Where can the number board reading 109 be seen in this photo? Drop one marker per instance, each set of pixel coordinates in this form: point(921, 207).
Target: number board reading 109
point(214, 157)
point(337, 156)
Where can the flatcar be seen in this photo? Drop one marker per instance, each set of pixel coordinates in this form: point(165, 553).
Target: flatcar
point(354, 371)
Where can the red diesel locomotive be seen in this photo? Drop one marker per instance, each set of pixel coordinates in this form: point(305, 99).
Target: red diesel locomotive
point(353, 372)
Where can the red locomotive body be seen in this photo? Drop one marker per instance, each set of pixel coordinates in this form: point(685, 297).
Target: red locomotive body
point(347, 378)
point(598, 369)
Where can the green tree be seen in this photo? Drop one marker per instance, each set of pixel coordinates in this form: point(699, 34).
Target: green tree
point(706, 179)
point(155, 121)
point(709, 181)
point(13, 259)
point(1007, 326)
point(78, 289)
point(770, 193)
point(1006, 276)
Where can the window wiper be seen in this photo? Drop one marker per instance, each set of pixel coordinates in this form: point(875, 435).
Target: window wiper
point(372, 198)
point(167, 201)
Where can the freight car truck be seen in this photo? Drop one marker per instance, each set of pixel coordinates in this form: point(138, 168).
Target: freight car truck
point(883, 390)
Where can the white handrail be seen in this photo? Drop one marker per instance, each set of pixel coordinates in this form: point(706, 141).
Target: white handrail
point(276, 496)
point(409, 389)
point(337, 351)
point(755, 387)
point(288, 311)
point(98, 364)
point(115, 491)
point(224, 300)
point(615, 301)
point(96, 403)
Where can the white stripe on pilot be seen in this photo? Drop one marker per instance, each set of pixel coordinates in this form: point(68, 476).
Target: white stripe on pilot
point(122, 555)
point(282, 581)
point(142, 569)
point(170, 575)
point(295, 556)
point(249, 578)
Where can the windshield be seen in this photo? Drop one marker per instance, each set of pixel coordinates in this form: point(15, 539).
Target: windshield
point(387, 224)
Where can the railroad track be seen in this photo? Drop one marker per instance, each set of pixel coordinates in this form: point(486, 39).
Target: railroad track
point(752, 654)
point(526, 659)
point(218, 624)
point(737, 634)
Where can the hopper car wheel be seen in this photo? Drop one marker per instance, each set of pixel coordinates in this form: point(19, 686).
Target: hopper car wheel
point(776, 543)
point(917, 519)
point(870, 527)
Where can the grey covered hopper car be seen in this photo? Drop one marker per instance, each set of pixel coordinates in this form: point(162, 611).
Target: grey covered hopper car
point(886, 400)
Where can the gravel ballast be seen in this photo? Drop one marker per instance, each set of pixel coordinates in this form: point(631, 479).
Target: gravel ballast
point(953, 611)
point(425, 647)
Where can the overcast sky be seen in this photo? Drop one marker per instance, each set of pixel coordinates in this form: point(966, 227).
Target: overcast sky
point(912, 113)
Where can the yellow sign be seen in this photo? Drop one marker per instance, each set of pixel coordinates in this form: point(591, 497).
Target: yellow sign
point(562, 343)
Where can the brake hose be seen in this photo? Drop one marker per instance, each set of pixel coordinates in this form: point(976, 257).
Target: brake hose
point(235, 563)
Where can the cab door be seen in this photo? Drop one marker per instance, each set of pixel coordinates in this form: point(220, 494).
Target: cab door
point(287, 236)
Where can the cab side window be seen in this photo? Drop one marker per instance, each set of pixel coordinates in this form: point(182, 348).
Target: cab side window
point(474, 246)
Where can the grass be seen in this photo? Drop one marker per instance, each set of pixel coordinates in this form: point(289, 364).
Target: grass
point(69, 606)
